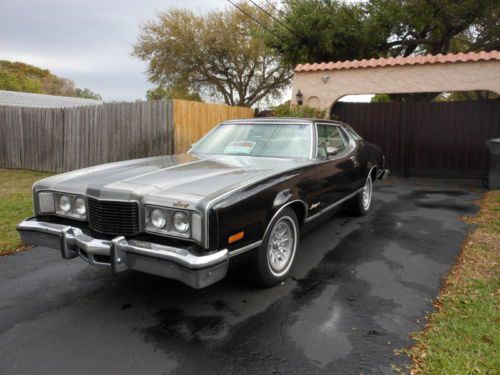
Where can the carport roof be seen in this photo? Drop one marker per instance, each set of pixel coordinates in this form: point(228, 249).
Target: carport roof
point(392, 61)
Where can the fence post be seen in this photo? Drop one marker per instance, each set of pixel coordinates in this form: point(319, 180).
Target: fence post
point(170, 126)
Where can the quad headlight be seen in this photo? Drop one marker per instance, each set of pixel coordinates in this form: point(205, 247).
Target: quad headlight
point(80, 206)
point(172, 222)
point(158, 218)
point(70, 205)
point(62, 204)
point(65, 204)
point(181, 222)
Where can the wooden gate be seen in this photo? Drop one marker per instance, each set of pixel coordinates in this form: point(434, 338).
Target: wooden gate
point(428, 139)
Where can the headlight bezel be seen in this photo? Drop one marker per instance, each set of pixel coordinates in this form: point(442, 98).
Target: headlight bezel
point(169, 229)
point(72, 212)
point(55, 208)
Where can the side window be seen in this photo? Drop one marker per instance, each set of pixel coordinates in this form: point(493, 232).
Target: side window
point(330, 137)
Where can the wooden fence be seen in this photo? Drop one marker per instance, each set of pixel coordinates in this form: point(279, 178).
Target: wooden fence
point(64, 139)
point(428, 139)
point(192, 120)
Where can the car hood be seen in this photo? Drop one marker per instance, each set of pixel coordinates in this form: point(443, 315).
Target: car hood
point(184, 178)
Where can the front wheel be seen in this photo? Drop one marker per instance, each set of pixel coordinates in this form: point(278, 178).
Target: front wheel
point(275, 256)
point(360, 204)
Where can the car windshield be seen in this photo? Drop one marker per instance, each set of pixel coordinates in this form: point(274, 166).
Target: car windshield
point(270, 140)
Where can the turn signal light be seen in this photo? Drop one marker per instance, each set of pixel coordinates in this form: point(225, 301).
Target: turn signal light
point(235, 237)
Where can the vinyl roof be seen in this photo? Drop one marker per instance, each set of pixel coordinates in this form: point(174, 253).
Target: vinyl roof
point(274, 120)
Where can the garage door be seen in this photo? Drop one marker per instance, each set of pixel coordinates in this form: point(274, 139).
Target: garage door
point(428, 139)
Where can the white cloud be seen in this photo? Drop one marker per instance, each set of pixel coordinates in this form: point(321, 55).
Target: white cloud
point(88, 42)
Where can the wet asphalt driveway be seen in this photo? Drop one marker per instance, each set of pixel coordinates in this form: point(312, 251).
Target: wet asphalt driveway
point(359, 287)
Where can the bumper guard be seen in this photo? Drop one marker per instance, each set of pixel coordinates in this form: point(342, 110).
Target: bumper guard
point(120, 254)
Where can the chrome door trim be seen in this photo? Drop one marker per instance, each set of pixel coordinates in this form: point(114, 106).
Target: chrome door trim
point(244, 249)
point(339, 202)
point(336, 204)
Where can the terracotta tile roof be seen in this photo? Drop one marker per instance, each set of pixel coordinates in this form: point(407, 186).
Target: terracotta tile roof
point(392, 61)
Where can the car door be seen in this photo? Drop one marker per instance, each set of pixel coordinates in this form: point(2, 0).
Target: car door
point(338, 163)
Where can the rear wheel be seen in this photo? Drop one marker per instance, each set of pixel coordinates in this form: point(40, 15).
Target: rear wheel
point(275, 256)
point(360, 204)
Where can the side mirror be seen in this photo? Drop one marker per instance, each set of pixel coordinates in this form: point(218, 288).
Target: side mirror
point(332, 151)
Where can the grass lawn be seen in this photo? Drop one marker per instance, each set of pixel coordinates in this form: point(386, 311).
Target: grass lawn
point(463, 335)
point(15, 204)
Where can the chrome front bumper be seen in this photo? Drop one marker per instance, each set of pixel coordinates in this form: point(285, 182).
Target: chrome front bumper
point(120, 254)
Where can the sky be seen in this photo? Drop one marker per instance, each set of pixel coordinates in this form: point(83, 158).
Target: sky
point(87, 41)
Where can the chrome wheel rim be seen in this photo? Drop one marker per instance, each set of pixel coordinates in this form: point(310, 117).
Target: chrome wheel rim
point(367, 193)
point(281, 246)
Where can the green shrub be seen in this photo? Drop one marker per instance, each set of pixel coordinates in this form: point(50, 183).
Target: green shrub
point(287, 110)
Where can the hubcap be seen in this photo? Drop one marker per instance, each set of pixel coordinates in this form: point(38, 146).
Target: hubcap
point(367, 193)
point(281, 246)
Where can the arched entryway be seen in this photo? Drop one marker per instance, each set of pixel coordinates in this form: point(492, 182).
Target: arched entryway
point(420, 138)
point(324, 83)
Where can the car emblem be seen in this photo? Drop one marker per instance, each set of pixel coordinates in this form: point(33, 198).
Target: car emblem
point(181, 205)
point(314, 205)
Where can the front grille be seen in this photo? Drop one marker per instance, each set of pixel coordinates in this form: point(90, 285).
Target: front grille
point(111, 217)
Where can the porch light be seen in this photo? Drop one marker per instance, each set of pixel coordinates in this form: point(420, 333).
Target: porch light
point(299, 97)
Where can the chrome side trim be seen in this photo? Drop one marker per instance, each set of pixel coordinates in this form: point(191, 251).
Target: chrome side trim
point(336, 204)
point(281, 209)
point(244, 249)
point(314, 143)
point(339, 202)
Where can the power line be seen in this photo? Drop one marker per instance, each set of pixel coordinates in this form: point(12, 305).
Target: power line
point(276, 19)
point(277, 9)
point(283, 14)
point(255, 20)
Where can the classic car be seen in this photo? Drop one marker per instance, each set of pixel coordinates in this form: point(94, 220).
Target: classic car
point(247, 187)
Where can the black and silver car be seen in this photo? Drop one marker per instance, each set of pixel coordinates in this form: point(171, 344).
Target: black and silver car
point(247, 187)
